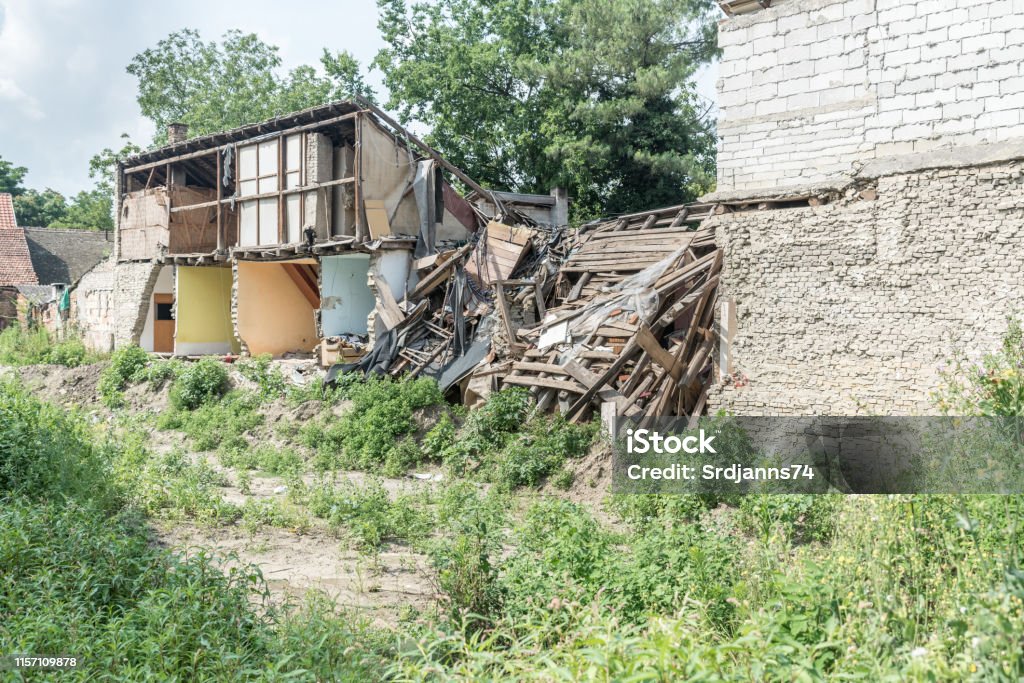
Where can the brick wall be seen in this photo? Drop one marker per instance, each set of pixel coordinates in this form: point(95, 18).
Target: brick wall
point(809, 88)
point(92, 307)
point(852, 307)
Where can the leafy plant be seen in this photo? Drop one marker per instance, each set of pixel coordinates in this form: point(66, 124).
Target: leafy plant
point(198, 384)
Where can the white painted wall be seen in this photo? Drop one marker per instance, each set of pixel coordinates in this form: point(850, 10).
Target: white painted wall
point(808, 88)
point(164, 285)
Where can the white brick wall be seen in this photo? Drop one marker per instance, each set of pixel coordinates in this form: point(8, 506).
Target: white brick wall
point(809, 87)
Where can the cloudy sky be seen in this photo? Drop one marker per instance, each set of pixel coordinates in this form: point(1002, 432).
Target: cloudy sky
point(64, 92)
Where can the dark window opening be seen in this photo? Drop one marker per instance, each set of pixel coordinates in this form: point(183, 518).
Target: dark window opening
point(165, 311)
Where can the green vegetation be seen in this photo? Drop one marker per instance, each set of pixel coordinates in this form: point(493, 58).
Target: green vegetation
point(36, 346)
point(81, 576)
point(126, 366)
point(530, 586)
point(501, 443)
point(199, 384)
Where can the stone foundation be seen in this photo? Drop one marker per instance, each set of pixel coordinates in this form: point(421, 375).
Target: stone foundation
point(851, 308)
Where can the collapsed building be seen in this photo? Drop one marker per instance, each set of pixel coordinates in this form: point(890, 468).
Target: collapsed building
point(277, 236)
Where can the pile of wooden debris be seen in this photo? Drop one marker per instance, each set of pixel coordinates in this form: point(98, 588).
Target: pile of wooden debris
point(615, 316)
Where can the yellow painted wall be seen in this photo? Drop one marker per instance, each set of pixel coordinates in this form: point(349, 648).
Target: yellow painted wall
point(273, 316)
point(203, 316)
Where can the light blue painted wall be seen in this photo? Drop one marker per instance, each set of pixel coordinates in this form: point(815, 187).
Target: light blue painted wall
point(346, 299)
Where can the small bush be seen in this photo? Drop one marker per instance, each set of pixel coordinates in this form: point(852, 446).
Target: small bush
point(259, 369)
point(126, 364)
point(369, 514)
point(371, 435)
point(792, 518)
point(221, 424)
point(199, 384)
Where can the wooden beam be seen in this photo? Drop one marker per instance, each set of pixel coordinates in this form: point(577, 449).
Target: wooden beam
point(312, 296)
point(659, 355)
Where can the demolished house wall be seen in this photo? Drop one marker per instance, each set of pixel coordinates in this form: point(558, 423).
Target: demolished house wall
point(809, 87)
point(388, 170)
point(143, 226)
point(133, 290)
point(203, 311)
point(272, 314)
point(853, 307)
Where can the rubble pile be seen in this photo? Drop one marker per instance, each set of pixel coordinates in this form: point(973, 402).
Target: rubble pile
point(615, 316)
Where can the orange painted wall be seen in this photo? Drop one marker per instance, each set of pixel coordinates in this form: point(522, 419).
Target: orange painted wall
point(273, 315)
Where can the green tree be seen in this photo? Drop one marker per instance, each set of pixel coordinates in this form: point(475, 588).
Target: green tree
point(596, 95)
point(11, 177)
point(214, 86)
point(39, 209)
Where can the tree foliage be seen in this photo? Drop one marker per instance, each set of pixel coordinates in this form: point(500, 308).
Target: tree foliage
point(89, 209)
point(11, 177)
point(595, 95)
point(213, 86)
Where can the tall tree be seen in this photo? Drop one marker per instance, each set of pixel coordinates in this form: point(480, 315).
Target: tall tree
point(214, 86)
point(596, 95)
point(11, 177)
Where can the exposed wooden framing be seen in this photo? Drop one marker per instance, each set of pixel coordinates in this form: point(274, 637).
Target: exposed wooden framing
point(244, 140)
point(280, 186)
point(220, 219)
point(170, 185)
point(358, 173)
point(267, 195)
point(309, 290)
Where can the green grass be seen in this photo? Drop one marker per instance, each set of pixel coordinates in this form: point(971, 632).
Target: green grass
point(36, 346)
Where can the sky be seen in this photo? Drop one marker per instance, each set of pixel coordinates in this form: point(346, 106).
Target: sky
point(64, 91)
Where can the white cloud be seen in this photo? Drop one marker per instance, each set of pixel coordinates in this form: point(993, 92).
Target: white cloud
point(12, 92)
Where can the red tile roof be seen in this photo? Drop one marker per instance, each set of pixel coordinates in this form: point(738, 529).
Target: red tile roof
point(15, 260)
point(7, 211)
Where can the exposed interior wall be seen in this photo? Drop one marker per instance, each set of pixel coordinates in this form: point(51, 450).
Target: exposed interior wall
point(92, 307)
point(203, 311)
point(391, 267)
point(853, 307)
point(388, 170)
point(195, 231)
point(810, 87)
point(272, 314)
point(164, 285)
point(346, 299)
point(142, 225)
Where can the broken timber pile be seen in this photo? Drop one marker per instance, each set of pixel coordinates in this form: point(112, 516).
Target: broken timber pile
point(634, 328)
point(618, 313)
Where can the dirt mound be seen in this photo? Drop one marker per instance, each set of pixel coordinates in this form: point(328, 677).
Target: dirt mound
point(66, 386)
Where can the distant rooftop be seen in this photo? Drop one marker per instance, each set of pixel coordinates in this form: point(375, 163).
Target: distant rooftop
point(63, 256)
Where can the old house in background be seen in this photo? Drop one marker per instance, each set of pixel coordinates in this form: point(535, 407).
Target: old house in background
point(40, 268)
point(275, 236)
point(15, 262)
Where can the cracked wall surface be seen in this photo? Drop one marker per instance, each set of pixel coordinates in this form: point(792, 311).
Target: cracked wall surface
point(809, 89)
point(853, 307)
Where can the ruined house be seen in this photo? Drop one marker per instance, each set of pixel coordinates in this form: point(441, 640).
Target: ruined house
point(276, 236)
point(871, 198)
point(15, 262)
